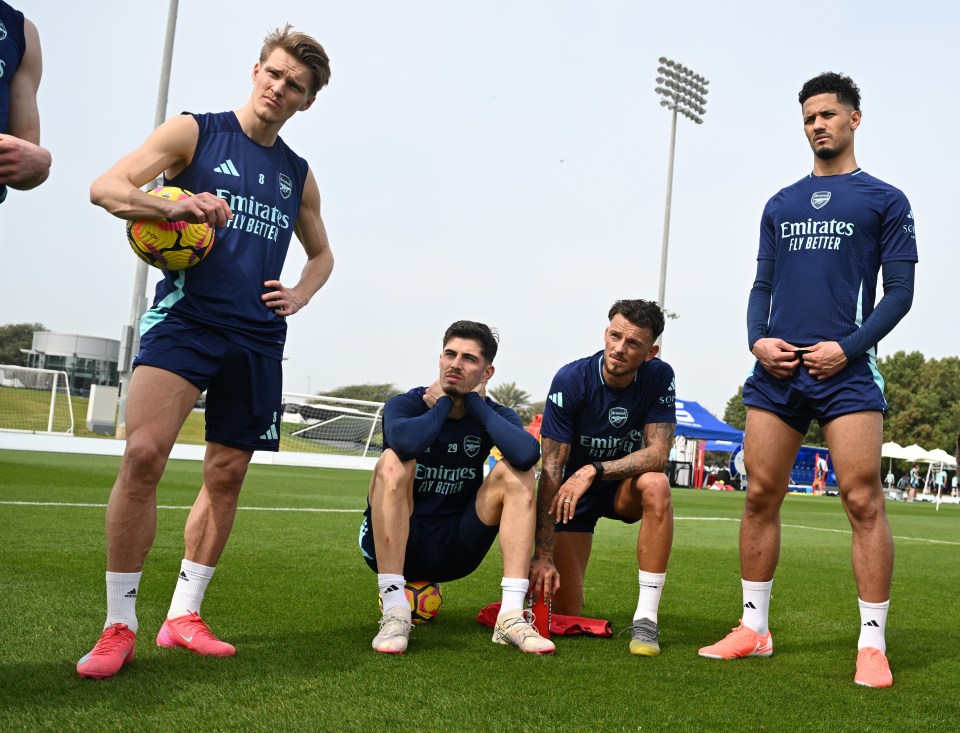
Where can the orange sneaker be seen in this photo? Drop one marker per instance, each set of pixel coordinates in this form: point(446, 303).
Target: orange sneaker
point(190, 632)
point(873, 669)
point(739, 643)
point(112, 651)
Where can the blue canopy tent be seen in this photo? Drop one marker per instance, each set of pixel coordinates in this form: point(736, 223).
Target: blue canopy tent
point(695, 423)
point(722, 446)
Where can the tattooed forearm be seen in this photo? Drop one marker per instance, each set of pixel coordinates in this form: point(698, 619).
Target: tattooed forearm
point(545, 532)
point(551, 477)
point(658, 438)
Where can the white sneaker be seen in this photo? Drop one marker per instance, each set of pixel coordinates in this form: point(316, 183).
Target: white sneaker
point(516, 628)
point(394, 631)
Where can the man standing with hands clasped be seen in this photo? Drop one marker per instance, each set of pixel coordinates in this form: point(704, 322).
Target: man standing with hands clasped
point(814, 329)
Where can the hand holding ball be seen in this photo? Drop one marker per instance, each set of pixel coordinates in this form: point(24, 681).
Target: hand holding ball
point(170, 245)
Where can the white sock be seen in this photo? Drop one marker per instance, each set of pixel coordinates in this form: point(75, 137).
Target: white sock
point(873, 625)
point(391, 591)
point(122, 599)
point(514, 595)
point(756, 605)
point(651, 587)
point(191, 585)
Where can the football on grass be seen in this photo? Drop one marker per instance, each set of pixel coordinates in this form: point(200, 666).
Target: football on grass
point(169, 245)
point(425, 600)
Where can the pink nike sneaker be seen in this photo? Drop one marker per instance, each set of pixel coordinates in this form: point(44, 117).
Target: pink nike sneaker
point(873, 669)
point(113, 650)
point(190, 632)
point(739, 643)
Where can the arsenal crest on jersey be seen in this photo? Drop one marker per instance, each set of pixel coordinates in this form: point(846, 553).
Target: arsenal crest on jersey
point(471, 445)
point(617, 416)
point(820, 199)
point(286, 185)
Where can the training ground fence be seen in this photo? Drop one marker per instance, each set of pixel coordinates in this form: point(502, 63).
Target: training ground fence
point(331, 425)
point(35, 400)
point(37, 413)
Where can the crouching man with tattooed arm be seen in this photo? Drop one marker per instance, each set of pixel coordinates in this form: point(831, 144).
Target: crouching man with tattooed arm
point(607, 431)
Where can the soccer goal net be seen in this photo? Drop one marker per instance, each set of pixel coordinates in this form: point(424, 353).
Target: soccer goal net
point(35, 400)
point(331, 425)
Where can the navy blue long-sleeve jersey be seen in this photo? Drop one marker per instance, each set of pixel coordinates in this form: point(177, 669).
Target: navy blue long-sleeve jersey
point(450, 452)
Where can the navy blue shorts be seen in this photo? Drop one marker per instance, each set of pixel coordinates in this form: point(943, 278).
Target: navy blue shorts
point(599, 501)
point(800, 398)
point(440, 551)
point(244, 387)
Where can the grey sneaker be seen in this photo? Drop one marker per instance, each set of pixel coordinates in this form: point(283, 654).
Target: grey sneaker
point(394, 631)
point(516, 629)
point(645, 641)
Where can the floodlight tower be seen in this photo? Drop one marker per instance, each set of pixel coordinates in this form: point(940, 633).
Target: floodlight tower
point(130, 334)
point(682, 91)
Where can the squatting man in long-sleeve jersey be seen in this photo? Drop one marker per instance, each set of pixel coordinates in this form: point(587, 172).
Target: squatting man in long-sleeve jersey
point(431, 514)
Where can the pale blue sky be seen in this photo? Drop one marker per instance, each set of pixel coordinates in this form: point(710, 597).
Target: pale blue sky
point(503, 162)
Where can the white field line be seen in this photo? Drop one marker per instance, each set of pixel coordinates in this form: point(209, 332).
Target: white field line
point(359, 511)
point(166, 506)
point(820, 529)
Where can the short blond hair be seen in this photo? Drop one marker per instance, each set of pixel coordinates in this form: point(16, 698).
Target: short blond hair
point(304, 48)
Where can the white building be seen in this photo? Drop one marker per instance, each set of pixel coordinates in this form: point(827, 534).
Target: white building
point(87, 360)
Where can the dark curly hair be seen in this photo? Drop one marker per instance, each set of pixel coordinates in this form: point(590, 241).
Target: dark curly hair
point(487, 337)
point(641, 313)
point(831, 83)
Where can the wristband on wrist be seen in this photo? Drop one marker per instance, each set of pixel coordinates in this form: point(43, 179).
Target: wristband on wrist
point(598, 467)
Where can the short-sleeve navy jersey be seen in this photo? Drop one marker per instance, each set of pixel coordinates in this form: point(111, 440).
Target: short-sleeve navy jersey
point(828, 237)
point(263, 186)
point(450, 453)
point(600, 422)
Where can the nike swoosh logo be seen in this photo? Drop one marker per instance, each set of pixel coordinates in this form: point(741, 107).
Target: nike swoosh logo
point(763, 647)
point(187, 639)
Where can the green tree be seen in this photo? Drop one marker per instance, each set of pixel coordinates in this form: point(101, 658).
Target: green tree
point(923, 398)
point(369, 392)
point(735, 413)
point(532, 410)
point(16, 336)
point(509, 395)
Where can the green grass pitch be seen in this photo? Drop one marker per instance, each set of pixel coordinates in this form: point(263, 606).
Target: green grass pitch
point(294, 596)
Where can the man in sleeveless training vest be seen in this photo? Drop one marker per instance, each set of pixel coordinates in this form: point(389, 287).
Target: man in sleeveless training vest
point(219, 326)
